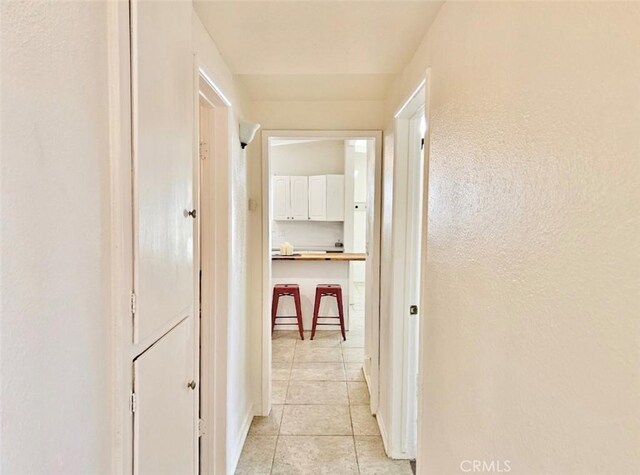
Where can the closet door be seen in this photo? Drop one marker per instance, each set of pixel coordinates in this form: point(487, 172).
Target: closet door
point(299, 197)
point(162, 69)
point(164, 412)
point(164, 402)
point(318, 198)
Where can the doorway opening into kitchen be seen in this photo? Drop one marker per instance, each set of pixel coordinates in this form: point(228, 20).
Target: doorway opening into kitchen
point(321, 203)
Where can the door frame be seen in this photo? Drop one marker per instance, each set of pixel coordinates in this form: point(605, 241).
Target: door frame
point(400, 433)
point(422, 337)
point(265, 360)
point(121, 232)
point(214, 203)
point(407, 123)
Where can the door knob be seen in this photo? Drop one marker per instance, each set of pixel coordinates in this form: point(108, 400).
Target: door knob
point(192, 213)
point(192, 385)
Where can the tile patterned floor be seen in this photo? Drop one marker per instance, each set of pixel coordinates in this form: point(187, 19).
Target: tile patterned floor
point(320, 422)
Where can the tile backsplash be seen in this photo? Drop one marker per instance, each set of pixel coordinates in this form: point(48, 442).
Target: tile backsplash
point(306, 233)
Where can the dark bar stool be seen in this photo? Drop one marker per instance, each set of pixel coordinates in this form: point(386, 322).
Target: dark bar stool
point(286, 290)
point(328, 290)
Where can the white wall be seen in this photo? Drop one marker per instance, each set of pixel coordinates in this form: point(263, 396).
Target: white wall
point(533, 264)
point(240, 407)
point(56, 328)
point(320, 157)
point(306, 234)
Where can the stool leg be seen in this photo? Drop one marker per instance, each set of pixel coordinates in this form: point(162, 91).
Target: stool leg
point(296, 299)
point(274, 309)
point(341, 313)
point(316, 310)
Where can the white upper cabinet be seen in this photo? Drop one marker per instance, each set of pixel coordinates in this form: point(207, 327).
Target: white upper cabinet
point(281, 198)
point(318, 198)
point(335, 198)
point(299, 197)
point(290, 198)
point(304, 198)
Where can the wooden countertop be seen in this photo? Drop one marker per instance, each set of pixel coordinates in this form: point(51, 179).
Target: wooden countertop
point(316, 256)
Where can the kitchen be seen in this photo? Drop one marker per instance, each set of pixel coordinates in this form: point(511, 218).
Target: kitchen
point(318, 214)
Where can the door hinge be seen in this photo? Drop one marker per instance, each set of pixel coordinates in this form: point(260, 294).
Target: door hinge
point(202, 428)
point(133, 403)
point(133, 303)
point(422, 144)
point(204, 150)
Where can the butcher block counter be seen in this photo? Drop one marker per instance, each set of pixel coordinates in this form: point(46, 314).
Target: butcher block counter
point(321, 256)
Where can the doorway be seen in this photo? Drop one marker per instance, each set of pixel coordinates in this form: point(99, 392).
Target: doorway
point(281, 224)
point(411, 130)
point(213, 118)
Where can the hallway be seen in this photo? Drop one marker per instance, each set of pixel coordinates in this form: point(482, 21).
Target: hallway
point(320, 422)
point(136, 193)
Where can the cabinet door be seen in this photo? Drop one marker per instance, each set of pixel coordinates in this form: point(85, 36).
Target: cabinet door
point(164, 412)
point(335, 197)
point(162, 109)
point(299, 197)
point(281, 198)
point(318, 198)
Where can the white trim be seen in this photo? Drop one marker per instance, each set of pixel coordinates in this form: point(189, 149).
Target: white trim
point(265, 359)
point(422, 422)
point(234, 456)
point(215, 263)
point(384, 434)
point(401, 110)
point(121, 245)
point(402, 353)
point(218, 92)
point(264, 403)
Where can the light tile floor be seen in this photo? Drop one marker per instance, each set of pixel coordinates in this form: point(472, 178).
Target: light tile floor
point(320, 422)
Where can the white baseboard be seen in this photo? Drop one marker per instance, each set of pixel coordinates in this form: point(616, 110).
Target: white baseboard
point(383, 431)
point(387, 443)
point(367, 379)
point(234, 458)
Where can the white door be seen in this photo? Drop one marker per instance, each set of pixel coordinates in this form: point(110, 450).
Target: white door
point(412, 279)
point(299, 197)
point(164, 232)
point(318, 198)
point(164, 408)
point(281, 198)
point(335, 197)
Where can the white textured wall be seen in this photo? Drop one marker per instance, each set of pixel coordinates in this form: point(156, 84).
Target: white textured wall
point(533, 275)
point(55, 387)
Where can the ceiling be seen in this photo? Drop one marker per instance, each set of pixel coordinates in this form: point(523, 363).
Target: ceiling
point(317, 50)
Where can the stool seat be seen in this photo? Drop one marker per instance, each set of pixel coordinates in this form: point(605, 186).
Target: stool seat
point(328, 290)
point(287, 290)
point(286, 286)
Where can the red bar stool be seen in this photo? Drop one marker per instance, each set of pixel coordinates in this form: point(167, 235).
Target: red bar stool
point(286, 290)
point(328, 290)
